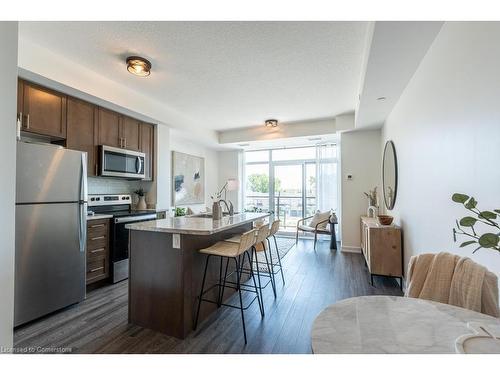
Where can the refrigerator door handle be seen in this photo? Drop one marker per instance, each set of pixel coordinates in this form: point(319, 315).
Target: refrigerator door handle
point(83, 204)
point(83, 178)
point(82, 227)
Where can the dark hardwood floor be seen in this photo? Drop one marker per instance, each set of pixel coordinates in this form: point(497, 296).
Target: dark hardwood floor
point(314, 280)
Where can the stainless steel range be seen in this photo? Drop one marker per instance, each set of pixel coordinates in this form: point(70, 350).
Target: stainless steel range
point(120, 207)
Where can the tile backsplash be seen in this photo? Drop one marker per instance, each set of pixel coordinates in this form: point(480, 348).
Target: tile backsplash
point(102, 185)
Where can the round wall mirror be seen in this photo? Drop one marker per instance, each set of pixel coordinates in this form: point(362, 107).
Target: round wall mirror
point(390, 175)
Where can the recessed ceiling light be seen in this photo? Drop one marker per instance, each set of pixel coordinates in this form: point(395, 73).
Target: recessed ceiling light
point(271, 123)
point(138, 66)
point(381, 98)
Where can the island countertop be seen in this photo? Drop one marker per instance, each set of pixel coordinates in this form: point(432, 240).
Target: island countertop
point(196, 225)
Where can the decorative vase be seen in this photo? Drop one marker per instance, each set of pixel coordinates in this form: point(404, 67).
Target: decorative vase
point(141, 204)
point(216, 211)
point(372, 211)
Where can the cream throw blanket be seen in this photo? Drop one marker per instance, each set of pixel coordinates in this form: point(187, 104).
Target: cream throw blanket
point(454, 280)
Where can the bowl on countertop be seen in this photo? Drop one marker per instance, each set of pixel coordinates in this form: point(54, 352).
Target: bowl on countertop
point(384, 219)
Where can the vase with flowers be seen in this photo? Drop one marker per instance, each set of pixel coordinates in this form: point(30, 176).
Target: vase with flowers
point(141, 203)
point(372, 202)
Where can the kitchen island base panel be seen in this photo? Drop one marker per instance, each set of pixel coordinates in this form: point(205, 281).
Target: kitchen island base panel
point(164, 282)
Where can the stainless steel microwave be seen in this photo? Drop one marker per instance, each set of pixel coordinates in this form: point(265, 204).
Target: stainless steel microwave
point(118, 162)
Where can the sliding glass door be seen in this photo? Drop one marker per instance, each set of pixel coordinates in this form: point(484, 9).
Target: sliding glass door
point(292, 183)
point(289, 194)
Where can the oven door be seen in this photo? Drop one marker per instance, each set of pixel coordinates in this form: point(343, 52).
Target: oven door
point(117, 162)
point(120, 235)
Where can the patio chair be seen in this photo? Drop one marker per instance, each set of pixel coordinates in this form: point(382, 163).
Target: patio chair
point(318, 225)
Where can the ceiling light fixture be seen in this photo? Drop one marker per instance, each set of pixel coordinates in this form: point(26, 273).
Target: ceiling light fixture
point(271, 123)
point(381, 98)
point(138, 66)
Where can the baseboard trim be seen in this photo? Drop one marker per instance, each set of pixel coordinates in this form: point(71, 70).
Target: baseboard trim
point(351, 249)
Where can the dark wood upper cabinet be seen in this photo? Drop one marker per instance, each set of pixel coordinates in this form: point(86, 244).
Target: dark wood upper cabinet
point(83, 125)
point(43, 110)
point(130, 130)
point(20, 91)
point(147, 146)
point(109, 128)
point(82, 131)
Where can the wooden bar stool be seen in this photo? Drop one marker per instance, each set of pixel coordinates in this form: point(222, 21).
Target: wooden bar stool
point(236, 251)
point(261, 235)
point(275, 226)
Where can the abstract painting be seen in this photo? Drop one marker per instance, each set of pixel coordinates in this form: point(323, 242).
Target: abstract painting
point(188, 179)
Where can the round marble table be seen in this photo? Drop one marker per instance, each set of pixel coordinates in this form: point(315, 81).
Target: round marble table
point(387, 324)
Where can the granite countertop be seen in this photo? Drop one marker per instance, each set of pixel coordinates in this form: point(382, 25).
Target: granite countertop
point(154, 209)
point(98, 216)
point(196, 225)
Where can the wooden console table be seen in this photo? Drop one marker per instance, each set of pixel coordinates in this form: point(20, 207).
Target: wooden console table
point(381, 246)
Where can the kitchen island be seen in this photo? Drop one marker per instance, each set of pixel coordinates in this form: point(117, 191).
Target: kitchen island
point(166, 268)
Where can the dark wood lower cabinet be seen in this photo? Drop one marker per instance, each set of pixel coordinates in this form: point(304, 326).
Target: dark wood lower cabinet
point(97, 250)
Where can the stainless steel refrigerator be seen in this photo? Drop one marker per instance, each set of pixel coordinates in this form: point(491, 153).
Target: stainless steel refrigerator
point(51, 211)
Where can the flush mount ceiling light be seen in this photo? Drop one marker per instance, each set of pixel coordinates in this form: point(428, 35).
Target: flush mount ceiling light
point(382, 98)
point(138, 66)
point(271, 123)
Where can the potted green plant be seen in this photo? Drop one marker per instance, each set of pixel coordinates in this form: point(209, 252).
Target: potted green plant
point(467, 225)
point(180, 211)
point(141, 204)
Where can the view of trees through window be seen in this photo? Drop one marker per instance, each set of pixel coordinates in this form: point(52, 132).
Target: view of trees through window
point(259, 183)
point(291, 195)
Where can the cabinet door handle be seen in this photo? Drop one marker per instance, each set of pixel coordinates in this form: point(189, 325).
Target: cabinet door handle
point(96, 269)
point(97, 238)
point(97, 225)
point(97, 250)
point(28, 121)
point(96, 170)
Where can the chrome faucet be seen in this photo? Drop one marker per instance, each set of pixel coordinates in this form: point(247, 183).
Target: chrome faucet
point(230, 208)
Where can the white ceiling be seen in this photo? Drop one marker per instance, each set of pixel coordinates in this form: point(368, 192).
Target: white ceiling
point(395, 50)
point(223, 75)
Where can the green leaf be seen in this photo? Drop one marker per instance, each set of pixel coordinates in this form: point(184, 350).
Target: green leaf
point(467, 243)
point(488, 215)
point(472, 203)
point(459, 198)
point(497, 211)
point(489, 240)
point(468, 221)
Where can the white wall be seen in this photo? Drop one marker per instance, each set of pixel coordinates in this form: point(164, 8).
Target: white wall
point(446, 130)
point(8, 100)
point(286, 130)
point(230, 166)
point(181, 144)
point(161, 189)
point(360, 156)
